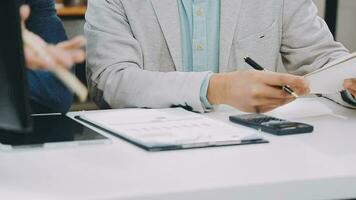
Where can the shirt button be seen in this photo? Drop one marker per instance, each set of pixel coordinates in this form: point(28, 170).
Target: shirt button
point(200, 47)
point(200, 12)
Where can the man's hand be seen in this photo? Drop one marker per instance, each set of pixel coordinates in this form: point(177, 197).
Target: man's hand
point(254, 91)
point(350, 85)
point(64, 54)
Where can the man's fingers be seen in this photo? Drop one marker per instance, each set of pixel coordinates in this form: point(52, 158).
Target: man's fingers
point(297, 83)
point(35, 39)
point(73, 44)
point(73, 49)
point(24, 12)
point(56, 56)
point(301, 91)
point(278, 79)
point(79, 56)
point(64, 54)
point(266, 91)
point(350, 84)
point(61, 57)
point(33, 61)
point(351, 81)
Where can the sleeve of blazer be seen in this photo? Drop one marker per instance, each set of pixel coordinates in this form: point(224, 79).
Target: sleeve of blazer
point(116, 74)
point(307, 43)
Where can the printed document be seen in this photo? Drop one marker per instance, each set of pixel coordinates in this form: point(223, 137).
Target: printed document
point(330, 78)
point(170, 127)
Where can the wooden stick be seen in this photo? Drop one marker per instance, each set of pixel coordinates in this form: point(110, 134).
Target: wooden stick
point(61, 72)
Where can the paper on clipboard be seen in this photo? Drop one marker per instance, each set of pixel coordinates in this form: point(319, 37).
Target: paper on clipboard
point(330, 78)
point(171, 128)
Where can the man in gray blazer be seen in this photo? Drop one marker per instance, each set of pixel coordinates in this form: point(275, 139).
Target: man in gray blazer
point(164, 53)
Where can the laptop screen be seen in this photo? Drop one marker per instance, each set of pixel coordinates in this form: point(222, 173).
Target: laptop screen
point(14, 105)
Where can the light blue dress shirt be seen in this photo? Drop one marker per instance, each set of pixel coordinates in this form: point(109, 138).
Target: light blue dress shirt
point(200, 30)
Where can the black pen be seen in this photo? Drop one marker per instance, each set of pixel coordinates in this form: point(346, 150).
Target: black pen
point(258, 67)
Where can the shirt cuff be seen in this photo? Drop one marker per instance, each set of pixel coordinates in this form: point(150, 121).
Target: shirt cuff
point(203, 94)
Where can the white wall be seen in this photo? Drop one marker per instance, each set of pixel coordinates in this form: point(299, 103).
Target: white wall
point(346, 32)
point(321, 6)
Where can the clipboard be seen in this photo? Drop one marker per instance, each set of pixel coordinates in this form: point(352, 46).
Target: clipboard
point(169, 129)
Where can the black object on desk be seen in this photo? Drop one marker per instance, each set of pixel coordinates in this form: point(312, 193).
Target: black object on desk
point(271, 125)
point(51, 128)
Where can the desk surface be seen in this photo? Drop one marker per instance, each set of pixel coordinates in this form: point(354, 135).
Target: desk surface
point(321, 165)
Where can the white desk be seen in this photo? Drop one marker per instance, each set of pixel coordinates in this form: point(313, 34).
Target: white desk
point(321, 165)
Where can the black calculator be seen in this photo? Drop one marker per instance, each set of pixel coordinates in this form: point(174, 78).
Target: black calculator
point(271, 124)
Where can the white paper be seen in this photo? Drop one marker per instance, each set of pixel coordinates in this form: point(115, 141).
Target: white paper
point(173, 126)
point(301, 108)
point(329, 79)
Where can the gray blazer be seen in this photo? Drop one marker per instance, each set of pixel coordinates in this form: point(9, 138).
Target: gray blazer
point(135, 56)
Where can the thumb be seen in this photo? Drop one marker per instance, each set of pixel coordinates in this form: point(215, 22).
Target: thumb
point(24, 12)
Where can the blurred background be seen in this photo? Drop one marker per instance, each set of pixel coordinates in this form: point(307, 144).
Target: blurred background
point(345, 19)
point(339, 14)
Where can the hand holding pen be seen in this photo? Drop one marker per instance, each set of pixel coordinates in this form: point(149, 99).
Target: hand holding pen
point(255, 90)
point(258, 67)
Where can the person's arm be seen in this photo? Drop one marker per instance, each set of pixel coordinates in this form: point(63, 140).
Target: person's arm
point(307, 43)
point(47, 93)
point(117, 77)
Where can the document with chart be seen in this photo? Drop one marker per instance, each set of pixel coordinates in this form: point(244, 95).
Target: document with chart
point(168, 129)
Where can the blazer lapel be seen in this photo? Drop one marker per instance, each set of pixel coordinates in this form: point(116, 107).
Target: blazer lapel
point(168, 17)
point(230, 10)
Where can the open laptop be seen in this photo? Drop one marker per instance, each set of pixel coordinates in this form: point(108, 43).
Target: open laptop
point(18, 129)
